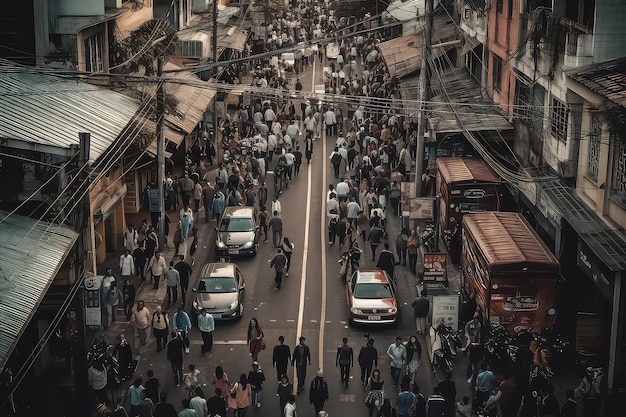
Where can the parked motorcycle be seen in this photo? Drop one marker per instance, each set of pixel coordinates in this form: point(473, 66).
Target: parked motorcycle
point(445, 348)
point(428, 236)
point(349, 262)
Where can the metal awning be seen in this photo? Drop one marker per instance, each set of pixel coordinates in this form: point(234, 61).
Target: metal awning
point(32, 253)
point(456, 93)
point(107, 200)
point(47, 112)
point(608, 244)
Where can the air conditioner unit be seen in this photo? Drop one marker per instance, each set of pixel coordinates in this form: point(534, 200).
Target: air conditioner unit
point(533, 158)
point(194, 45)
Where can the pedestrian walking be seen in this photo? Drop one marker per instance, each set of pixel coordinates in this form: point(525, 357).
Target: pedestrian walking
point(397, 356)
point(256, 378)
point(482, 387)
point(421, 308)
point(216, 404)
point(141, 321)
point(112, 299)
point(405, 403)
point(263, 218)
point(308, 148)
point(413, 355)
point(287, 248)
point(344, 360)
point(184, 273)
point(129, 298)
point(279, 263)
point(255, 338)
point(276, 224)
point(175, 350)
point(198, 402)
point(127, 264)
point(139, 256)
point(220, 381)
point(242, 396)
point(375, 390)
point(281, 356)
point(276, 207)
point(182, 324)
point(162, 409)
point(376, 234)
point(412, 246)
point(318, 393)
point(186, 217)
point(368, 359)
point(152, 387)
point(156, 266)
point(283, 392)
point(130, 238)
point(447, 388)
point(188, 410)
point(191, 380)
point(335, 161)
point(301, 359)
point(160, 327)
point(386, 261)
point(135, 396)
point(206, 325)
point(436, 404)
point(172, 280)
point(401, 246)
point(290, 407)
point(97, 378)
point(217, 207)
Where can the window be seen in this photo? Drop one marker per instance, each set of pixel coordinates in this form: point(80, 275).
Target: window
point(558, 120)
point(497, 73)
point(618, 183)
point(593, 158)
point(522, 102)
point(94, 47)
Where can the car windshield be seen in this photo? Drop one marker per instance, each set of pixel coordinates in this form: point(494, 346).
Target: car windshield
point(217, 285)
point(373, 291)
point(236, 224)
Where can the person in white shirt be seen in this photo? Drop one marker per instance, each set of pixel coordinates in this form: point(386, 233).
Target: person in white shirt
point(186, 218)
point(130, 238)
point(127, 264)
point(276, 206)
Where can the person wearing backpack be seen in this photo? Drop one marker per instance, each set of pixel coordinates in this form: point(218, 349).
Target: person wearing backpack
point(279, 263)
point(335, 161)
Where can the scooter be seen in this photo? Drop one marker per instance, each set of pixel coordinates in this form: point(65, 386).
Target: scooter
point(445, 348)
point(349, 262)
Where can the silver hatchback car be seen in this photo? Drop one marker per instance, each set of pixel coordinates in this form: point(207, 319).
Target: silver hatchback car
point(220, 291)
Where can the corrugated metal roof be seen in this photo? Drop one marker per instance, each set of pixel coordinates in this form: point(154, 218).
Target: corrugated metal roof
point(456, 170)
point(608, 244)
point(32, 253)
point(457, 90)
point(50, 110)
point(406, 10)
point(507, 241)
point(605, 78)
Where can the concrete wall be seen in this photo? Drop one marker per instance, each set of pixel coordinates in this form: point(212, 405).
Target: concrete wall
point(80, 7)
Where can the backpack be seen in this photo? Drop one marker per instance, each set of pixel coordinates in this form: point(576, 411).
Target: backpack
point(336, 159)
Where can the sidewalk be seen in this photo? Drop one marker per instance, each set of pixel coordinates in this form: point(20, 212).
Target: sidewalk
point(145, 291)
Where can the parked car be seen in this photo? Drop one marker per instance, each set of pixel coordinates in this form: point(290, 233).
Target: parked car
point(288, 59)
point(220, 291)
point(237, 232)
point(371, 298)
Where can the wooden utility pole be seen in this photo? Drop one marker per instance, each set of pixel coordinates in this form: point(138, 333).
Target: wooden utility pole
point(422, 121)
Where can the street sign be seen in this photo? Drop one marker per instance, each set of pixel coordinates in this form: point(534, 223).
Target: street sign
point(446, 310)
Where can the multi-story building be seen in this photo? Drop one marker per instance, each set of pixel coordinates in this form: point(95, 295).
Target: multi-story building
point(554, 68)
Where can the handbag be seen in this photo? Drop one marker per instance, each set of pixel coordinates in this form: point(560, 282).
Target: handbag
point(263, 345)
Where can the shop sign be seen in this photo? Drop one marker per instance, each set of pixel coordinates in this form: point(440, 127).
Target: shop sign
point(474, 193)
point(93, 311)
point(155, 201)
point(422, 208)
point(446, 310)
point(590, 334)
point(594, 269)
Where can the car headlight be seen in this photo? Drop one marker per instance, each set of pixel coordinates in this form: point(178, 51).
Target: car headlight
point(233, 304)
point(356, 310)
point(248, 245)
point(221, 244)
point(391, 310)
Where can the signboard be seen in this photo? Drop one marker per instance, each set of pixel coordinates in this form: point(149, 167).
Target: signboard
point(407, 191)
point(93, 312)
point(435, 276)
point(594, 269)
point(590, 334)
point(446, 309)
point(153, 198)
point(422, 208)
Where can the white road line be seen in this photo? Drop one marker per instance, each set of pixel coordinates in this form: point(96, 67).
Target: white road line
point(323, 251)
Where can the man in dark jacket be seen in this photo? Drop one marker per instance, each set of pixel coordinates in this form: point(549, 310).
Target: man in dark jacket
point(256, 378)
point(421, 306)
point(216, 404)
point(386, 261)
point(281, 357)
point(175, 354)
point(368, 360)
point(376, 234)
point(300, 359)
point(318, 393)
point(344, 360)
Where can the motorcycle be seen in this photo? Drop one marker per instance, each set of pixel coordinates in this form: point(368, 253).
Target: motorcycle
point(500, 348)
point(428, 237)
point(445, 348)
point(349, 263)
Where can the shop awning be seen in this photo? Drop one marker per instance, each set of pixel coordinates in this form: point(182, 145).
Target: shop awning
point(608, 244)
point(458, 105)
point(107, 200)
point(32, 253)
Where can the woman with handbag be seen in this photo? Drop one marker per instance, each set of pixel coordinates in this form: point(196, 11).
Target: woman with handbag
point(240, 396)
point(375, 393)
point(255, 339)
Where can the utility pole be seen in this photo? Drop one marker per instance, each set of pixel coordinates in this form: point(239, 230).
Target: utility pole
point(161, 151)
point(424, 97)
point(213, 76)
